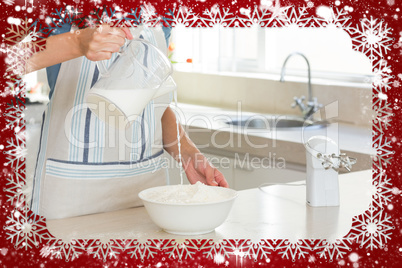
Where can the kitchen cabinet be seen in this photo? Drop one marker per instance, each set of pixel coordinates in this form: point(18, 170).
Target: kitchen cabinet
point(246, 172)
point(249, 175)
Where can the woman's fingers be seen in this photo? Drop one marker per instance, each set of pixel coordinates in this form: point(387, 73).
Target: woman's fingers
point(220, 179)
point(210, 174)
point(106, 30)
point(102, 42)
point(102, 53)
point(122, 32)
point(97, 56)
point(127, 31)
point(110, 36)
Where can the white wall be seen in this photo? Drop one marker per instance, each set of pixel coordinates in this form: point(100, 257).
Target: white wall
point(271, 96)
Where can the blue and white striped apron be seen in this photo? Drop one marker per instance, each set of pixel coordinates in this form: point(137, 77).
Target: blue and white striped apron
point(84, 166)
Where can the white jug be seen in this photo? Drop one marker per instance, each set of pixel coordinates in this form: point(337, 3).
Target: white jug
point(140, 73)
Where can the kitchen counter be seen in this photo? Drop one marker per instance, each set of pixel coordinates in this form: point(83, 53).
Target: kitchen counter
point(272, 212)
point(207, 129)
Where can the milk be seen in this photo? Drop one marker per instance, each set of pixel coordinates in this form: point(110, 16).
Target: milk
point(178, 140)
point(118, 108)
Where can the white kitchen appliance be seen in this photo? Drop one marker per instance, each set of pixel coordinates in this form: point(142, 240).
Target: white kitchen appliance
point(324, 160)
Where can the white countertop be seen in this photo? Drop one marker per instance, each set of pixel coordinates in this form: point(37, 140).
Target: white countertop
point(273, 212)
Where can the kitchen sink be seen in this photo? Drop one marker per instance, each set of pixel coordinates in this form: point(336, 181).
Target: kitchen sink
point(274, 122)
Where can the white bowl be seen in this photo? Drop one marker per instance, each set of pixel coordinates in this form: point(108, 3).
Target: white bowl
point(188, 218)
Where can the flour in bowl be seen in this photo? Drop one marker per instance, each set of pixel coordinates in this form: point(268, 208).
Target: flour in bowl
point(188, 194)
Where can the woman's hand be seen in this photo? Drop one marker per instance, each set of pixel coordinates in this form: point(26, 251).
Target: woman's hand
point(99, 43)
point(198, 168)
point(94, 43)
point(195, 164)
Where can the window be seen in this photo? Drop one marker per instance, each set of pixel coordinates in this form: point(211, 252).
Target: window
point(263, 50)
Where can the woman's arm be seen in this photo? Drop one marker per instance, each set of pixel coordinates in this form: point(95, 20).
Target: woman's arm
point(195, 164)
point(94, 43)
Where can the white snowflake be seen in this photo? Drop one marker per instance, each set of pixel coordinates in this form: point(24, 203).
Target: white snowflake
point(23, 41)
point(16, 59)
point(382, 77)
point(332, 250)
point(261, 250)
point(31, 37)
point(108, 16)
point(106, 19)
point(14, 191)
point(292, 250)
point(16, 85)
point(183, 16)
point(62, 250)
point(285, 16)
point(148, 13)
point(217, 15)
point(371, 229)
point(13, 115)
point(383, 148)
point(382, 189)
point(143, 250)
point(275, 9)
point(58, 17)
point(337, 17)
point(46, 251)
point(373, 38)
point(260, 15)
point(223, 248)
point(239, 248)
point(25, 229)
point(383, 115)
point(43, 11)
point(106, 250)
point(180, 249)
point(16, 151)
point(90, 22)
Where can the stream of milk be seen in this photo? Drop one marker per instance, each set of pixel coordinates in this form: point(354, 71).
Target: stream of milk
point(178, 139)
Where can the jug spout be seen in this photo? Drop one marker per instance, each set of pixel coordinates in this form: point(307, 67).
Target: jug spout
point(167, 86)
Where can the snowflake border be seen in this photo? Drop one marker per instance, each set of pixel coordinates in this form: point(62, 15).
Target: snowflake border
point(283, 16)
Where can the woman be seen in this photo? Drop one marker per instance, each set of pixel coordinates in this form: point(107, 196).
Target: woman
point(85, 166)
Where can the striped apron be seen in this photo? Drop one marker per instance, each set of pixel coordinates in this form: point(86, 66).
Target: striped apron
point(83, 165)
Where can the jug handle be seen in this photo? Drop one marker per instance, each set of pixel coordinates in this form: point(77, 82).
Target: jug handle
point(103, 70)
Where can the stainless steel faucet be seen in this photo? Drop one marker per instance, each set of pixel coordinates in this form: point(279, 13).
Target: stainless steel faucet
point(312, 104)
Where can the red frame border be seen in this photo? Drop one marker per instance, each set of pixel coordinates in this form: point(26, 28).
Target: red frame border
point(389, 255)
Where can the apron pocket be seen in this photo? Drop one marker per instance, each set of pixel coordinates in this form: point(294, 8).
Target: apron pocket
point(72, 189)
